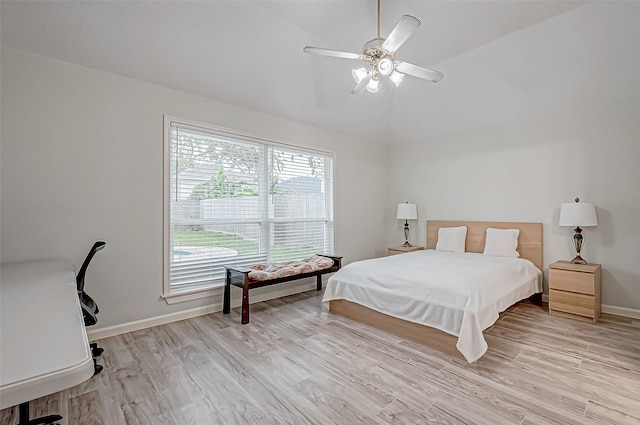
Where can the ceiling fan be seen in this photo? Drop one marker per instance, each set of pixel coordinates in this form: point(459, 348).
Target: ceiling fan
point(380, 54)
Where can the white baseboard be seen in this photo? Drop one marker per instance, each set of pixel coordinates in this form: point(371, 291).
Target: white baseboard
point(136, 325)
point(621, 311)
point(610, 309)
point(256, 297)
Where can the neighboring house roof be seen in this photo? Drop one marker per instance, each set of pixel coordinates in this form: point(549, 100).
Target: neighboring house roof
point(302, 185)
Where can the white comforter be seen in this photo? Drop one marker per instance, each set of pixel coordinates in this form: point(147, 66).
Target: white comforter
point(460, 294)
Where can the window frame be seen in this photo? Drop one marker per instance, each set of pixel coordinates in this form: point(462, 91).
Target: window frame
point(207, 289)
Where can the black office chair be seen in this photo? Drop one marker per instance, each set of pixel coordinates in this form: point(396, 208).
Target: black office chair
point(89, 306)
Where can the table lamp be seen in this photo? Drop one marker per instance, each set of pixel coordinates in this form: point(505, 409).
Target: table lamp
point(407, 212)
point(578, 214)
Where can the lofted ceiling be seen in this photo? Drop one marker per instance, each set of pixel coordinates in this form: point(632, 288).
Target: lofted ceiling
point(501, 59)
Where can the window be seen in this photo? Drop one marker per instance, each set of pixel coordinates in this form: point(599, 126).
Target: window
point(234, 199)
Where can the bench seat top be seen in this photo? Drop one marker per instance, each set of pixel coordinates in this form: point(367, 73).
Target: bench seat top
point(271, 271)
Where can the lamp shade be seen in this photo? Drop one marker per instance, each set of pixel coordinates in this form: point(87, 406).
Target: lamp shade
point(578, 214)
point(407, 211)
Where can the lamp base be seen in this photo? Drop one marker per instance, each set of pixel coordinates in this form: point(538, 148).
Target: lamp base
point(406, 234)
point(578, 239)
point(578, 260)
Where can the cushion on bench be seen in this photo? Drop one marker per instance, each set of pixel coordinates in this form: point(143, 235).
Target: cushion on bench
point(288, 268)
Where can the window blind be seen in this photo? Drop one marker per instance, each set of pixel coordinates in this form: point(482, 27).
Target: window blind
point(237, 200)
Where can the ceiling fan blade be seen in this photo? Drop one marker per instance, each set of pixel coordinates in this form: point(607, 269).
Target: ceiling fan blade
point(418, 71)
point(359, 88)
point(401, 33)
point(329, 52)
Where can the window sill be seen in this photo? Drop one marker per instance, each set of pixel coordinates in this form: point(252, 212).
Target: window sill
point(191, 294)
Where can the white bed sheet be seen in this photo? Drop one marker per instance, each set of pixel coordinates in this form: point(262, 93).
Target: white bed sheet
point(461, 294)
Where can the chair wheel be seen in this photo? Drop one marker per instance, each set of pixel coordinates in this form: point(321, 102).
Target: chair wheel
point(95, 350)
point(96, 368)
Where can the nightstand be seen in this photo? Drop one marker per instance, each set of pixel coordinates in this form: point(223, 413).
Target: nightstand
point(574, 290)
point(393, 250)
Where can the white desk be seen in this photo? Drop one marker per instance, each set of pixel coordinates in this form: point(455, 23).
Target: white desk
point(43, 343)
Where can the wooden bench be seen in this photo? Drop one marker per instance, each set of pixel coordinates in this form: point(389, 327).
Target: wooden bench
point(239, 276)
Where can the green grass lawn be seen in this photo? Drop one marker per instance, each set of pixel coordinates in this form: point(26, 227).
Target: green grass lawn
point(200, 238)
point(243, 246)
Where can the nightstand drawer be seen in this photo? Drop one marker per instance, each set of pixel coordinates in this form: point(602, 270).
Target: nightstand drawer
point(580, 304)
point(566, 280)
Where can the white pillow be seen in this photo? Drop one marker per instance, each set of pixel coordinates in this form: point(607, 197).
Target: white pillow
point(451, 239)
point(502, 242)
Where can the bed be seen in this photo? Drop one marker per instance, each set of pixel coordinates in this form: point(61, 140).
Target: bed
point(438, 298)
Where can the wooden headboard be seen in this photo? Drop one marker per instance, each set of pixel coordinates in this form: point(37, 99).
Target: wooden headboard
point(529, 241)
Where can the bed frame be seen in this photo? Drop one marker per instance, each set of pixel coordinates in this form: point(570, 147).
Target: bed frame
point(529, 247)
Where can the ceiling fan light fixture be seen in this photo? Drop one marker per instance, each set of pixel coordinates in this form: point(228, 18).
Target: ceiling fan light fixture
point(396, 77)
point(372, 86)
point(359, 74)
point(385, 66)
point(380, 56)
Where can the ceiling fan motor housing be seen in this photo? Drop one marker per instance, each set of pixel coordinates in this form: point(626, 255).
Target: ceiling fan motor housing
point(381, 60)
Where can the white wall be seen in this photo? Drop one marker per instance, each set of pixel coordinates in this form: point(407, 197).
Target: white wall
point(523, 171)
point(564, 138)
point(82, 161)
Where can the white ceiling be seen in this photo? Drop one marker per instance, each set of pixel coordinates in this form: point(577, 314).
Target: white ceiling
point(502, 59)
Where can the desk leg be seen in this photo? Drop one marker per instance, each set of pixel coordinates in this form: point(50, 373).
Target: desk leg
point(23, 416)
point(23, 411)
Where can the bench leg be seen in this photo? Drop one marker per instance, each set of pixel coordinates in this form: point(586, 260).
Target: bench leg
point(245, 304)
point(226, 304)
point(319, 282)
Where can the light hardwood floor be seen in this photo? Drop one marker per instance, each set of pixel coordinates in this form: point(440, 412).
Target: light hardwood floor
point(297, 364)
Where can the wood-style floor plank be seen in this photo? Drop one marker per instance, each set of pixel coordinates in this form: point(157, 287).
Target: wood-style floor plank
point(297, 364)
point(86, 408)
